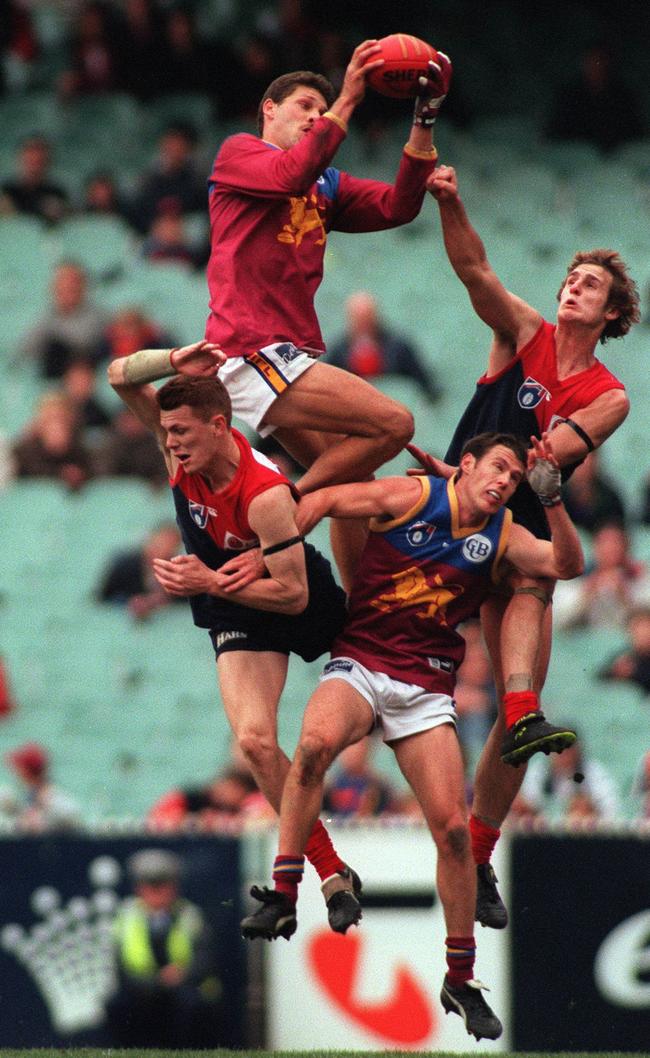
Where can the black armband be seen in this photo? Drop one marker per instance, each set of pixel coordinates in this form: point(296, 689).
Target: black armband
point(274, 548)
point(582, 434)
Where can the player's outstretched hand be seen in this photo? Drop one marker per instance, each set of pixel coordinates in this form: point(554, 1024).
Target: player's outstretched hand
point(201, 359)
point(543, 471)
point(362, 62)
point(430, 464)
point(433, 88)
point(443, 183)
point(241, 570)
point(183, 575)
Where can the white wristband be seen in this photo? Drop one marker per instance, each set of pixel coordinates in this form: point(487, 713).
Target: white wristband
point(148, 365)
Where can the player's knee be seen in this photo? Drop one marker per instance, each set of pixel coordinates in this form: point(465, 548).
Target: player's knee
point(258, 746)
point(314, 756)
point(456, 839)
point(398, 426)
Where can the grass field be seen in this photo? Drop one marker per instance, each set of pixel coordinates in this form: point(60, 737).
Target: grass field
point(103, 1052)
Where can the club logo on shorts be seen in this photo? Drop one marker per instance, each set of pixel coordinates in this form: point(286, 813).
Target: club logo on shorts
point(477, 548)
point(338, 665)
point(531, 393)
point(200, 514)
point(420, 533)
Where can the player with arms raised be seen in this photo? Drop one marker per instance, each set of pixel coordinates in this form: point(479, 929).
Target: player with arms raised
point(540, 376)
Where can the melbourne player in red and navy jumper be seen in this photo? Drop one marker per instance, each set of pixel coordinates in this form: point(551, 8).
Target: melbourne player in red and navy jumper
point(214, 527)
point(421, 576)
point(526, 398)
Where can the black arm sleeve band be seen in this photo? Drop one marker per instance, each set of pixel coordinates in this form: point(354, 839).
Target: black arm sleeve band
point(274, 548)
point(582, 434)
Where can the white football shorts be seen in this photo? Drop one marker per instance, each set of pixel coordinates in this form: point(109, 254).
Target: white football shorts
point(256, 380)
point(399, 709)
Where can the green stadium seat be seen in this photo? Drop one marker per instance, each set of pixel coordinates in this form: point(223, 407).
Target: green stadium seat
point(103, 245)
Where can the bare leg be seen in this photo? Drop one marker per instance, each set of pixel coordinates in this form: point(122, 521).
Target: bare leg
point(431, 762)
point(251, 684)
point(336, 716)
point(347, 535)
point(496, 784)
point(371, 427)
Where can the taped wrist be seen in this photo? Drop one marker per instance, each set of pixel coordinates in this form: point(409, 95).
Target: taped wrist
point(148, 365)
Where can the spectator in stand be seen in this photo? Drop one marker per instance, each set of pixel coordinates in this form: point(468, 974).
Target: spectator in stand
point(169, 242)
point(243, 77)
point(590, 498)
point(633, 664)
point(475, 696)
point(141, 47)
point(356, 788)
point(597, 105)
point(173, 182)
point(51, 445)
point(102, 196)
point(369, 349)
point(130, 330)
point(71, 329)
point(94, 49)
point(607, 593)
point(32, 190)
point(18, 45)
point(568, 785)
point(188, 61)
point(128, 579)
point(231, 798)
point(645, 500)
point(42, 806)
point(79, 383)
point(130, 450)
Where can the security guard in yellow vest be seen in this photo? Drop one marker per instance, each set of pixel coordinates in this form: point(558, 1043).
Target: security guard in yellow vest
point(168, 992)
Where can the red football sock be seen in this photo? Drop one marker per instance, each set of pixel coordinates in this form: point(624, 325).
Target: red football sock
point(287, 874)
point(461, 952)
point(517, 704)
point(483, 838)
point(321, 853)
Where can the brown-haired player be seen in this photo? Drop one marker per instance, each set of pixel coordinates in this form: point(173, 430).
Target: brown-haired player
point(230, 498)
point(433, 549)
point(273, 199)
point(540, 376)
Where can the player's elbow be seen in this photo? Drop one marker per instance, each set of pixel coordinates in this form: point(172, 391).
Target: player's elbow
point(571, 569)
point(296, 599)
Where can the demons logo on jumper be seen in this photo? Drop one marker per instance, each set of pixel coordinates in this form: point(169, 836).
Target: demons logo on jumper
point(200, 514)
point(531, 393)
point(420, 533)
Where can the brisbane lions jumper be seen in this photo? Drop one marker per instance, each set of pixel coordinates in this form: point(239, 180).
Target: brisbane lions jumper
point(420, 576)
point(524, 399)
point(215, 527)
point(270, 212)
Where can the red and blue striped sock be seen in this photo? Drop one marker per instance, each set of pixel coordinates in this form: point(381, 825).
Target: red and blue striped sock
point(287, 875)
point(461, 952)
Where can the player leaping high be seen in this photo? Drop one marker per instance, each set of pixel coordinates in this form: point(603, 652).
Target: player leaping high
point(273, 200)
point(540, 376)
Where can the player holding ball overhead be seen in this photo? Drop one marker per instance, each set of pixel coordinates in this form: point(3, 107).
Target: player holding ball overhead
point(273, 198)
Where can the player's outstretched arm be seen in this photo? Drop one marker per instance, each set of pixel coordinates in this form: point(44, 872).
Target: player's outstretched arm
point(386, 498)
point(562, 558)
point(364, 59)
point(501, 310)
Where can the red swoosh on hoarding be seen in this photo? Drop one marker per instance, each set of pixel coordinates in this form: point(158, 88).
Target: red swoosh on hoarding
point(406, 1017)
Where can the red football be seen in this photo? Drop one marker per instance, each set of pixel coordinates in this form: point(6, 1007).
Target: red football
point(405, 59)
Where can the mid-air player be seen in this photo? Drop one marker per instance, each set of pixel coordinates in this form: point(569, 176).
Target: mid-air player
point(273, 199)
point(540, 376)
point(228, 498)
